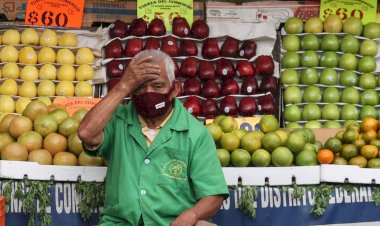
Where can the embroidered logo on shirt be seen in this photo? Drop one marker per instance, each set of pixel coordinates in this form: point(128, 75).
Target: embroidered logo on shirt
point(175, 169)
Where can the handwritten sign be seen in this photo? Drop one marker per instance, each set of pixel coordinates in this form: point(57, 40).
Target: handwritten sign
point(74, 104)
point(55, 13)
point(363, 9)
point(165, 10)
point(247, 123)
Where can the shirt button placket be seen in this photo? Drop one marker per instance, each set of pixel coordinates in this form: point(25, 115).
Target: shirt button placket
point(143, 192)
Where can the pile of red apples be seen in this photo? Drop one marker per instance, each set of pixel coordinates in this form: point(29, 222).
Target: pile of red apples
point(219, 75)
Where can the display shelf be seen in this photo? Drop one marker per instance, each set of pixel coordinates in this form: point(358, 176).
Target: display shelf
point(349, 174)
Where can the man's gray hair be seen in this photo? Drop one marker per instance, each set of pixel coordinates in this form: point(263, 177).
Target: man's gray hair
point(157, 57)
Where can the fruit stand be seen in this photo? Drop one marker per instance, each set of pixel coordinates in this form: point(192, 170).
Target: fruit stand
point(290, 100)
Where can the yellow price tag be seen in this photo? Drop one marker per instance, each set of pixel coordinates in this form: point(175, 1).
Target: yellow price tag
point(165, 10)
point(363, 9)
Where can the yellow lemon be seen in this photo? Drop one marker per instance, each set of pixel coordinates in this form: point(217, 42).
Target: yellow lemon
point(11, 37)
point(7, 104)
point(9, 53)
point(84, 72)
point(10, 70)
point(83, 89)
point(46, 55)
point(64, 88)
point(46, 88)
point(27, 55)
point(48, 71)
point(29, 72)
point(28, 89)
point(66, 72)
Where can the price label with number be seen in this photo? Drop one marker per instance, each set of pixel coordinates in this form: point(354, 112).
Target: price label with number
point(55, 13)
point(363, 9)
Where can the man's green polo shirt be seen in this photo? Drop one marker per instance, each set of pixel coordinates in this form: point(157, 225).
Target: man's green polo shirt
point(161, 181)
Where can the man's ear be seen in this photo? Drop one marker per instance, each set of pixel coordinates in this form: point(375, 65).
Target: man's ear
point(177, 89)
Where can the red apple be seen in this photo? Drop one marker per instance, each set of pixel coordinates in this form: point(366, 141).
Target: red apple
point(156, 27)
point(249, 86)
point(230, 47)
point(192, 87)
point(138, 27)
point(169, 46)
point(114, 49)
point(199, 29)
point(248, 49)
point(118, 29)
point(210, 48)
point(267, 104)
point(269, 84)
point(247, 106)
point(115, 68)
point(180, 27)
point(133, 46)
point(245, 68)
point(152, 43)
point(188, 48)
point(210, 108)
point(225, 69)
point(206, 70)
point(189, 67)
point(264, 65)
point(193, 105)
point(211, 89)
point(230, 87)
point(228, 106)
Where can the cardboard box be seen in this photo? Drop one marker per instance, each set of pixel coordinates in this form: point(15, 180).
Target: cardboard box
point(255, 12)
point(96, 12)
point(323, 134)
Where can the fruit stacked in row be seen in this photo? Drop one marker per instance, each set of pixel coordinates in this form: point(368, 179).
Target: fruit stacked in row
point(34, 66)
point(212, 68)
point(358, 144)
point(269, 146)
point(329, 76)
point(44, 134)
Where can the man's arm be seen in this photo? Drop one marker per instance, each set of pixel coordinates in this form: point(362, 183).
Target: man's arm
point(202, 210)
point(90, 130)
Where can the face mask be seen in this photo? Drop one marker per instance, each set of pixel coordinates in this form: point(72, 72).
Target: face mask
point(152, 104)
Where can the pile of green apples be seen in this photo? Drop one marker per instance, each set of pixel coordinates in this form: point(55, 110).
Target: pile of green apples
point(328, 71)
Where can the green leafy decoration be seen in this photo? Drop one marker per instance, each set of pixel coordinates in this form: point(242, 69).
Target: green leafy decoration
point(349, 188)
point(247, 199)
point(7, 191)
point(322, 194)
point(92, 194)
point(376, 196)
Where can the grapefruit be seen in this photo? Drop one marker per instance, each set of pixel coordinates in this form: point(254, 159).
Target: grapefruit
point(65, 159)
point(261, 158)
point(55, 143)
point(41, 156)
point(282, 156)
point(240, 158)
point(15, 152)
point(31, 140)
point(86, 160)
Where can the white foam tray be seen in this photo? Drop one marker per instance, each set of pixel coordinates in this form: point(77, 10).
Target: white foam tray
point(273, 176)
point(349, 174)
point(34, 171)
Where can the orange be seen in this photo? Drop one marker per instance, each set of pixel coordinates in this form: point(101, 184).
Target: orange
point(359, 161)
point(359, 143)
point(339, 161)
point(369, 151)
point(349, 136)
point(375, 142)
point(349, 151)
point(325, 156)
point(368, 124)
point(369, 135)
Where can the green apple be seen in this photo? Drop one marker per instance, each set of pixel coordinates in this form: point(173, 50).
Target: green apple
point(348, 61)
point(332, 125)
point(368, 47)
point(292, 113)
point(349, 44)
point(313, 124)
point(292, 95)
point(329, 59)
point(312, 94)
point(330, 42)
point(367, 81)
point(291, 43)
point(348, 78)
point(349, 112)
point(369, 97)
point(290, 60)
point(371, 30)
point(293, 125)
point(350, 95)
point(367, 64)
point(310, 42)
point(289, 77)
point(328, 77)
point(353, 26)
point(293, 25)
point(311, 112)
point(313, 25)
point(330, 112)
point(310, 58)
point(368, 111)
point(309, 76)
point(331, 95)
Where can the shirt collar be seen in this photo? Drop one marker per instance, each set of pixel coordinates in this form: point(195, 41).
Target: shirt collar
point(144, 124)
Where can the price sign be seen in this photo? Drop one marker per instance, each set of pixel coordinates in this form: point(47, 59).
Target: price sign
point(55, 13)
point(363, 9)
point(74, 104)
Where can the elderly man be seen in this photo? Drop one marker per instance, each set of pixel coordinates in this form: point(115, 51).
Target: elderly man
point(162, 164)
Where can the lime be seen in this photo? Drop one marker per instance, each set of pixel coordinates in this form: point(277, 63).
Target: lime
point(282, 156)
point(250, 142)
point(271, 141)
point(229, 141)
point(295, 142)
point(240, 158)
point(261, 158)
point(334, 144)
point(224, 156)
point(215, 131)
point(306, 158)
point(269, 123)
